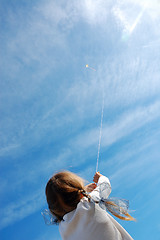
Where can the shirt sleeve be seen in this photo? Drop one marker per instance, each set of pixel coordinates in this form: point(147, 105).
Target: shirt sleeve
point(102, 190)
point(103, 179)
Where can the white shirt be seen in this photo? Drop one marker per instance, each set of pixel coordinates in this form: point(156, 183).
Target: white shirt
point(90, 222)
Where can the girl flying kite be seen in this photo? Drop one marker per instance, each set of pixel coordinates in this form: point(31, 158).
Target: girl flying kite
point(82, 211)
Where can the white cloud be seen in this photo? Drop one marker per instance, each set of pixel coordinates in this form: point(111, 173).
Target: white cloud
point(130, 14)
point(15, 211)
point(121, 127)
point(119, 14)
point(130, 122)
point(153, 7)
point(130, 78)
point(32, 199)
point(134, 172)
point(6, 150)
point(60, 15)
point(49, 236)
point(96, 12)
point(29, 44)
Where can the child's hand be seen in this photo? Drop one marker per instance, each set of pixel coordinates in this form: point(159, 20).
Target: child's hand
point(96, 177)
point(90, 187)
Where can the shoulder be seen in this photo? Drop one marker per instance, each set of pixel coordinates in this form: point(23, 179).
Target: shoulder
point(83, 207)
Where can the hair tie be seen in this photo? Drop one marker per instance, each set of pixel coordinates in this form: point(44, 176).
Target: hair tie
point(84, 193)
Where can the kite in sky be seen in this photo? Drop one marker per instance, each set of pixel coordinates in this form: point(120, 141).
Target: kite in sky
point(87, 66)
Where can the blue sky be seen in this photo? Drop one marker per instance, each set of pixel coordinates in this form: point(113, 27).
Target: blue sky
point(50, 106)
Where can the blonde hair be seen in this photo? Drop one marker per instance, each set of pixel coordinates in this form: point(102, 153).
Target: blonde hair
point(64, 191)
point(124, 214)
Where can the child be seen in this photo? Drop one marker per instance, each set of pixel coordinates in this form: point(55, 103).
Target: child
point(80, 216)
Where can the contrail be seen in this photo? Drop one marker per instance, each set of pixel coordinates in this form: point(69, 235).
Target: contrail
point(130, 30)
point(137, 20)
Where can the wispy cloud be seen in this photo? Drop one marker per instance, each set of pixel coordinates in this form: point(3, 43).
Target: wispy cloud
point(49, 236)
point(131, 13)
point(153, 7)
point(130, 174)
point(123, 126)
point(136, 21)
point(18, 210)
point(8, 149)
point(96, 12)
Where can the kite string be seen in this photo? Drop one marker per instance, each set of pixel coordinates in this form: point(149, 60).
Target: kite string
point(100, 133)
